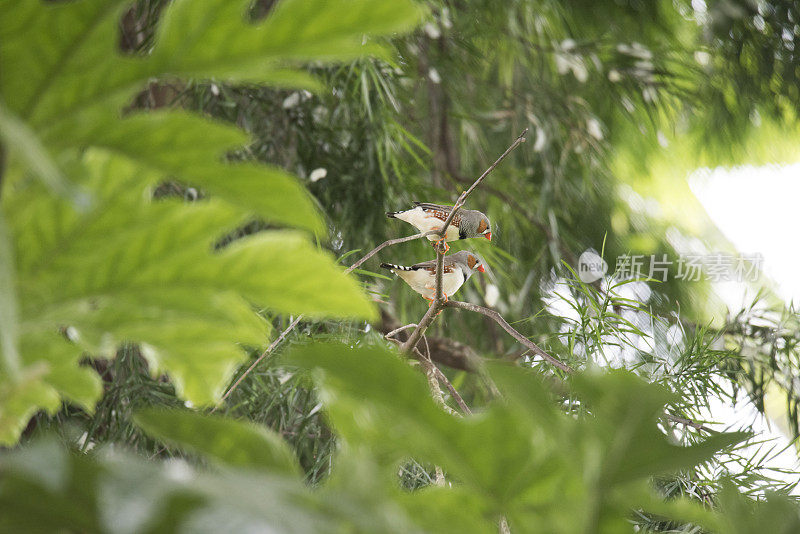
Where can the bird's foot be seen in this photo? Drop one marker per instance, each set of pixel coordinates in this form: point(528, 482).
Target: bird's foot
point(441, 246)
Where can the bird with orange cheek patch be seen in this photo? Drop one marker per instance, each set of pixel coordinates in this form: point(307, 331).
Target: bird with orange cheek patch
point(456, 269)
point(430, 217)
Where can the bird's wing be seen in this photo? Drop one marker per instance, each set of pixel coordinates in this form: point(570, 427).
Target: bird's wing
point(430, 206)
point(430, 266)
point(439, 211)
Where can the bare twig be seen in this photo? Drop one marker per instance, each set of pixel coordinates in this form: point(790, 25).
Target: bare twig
point(535, 349)
point(422, 326)
point(263, 355)
point(463, 197)
point(453, 391)
point(398, 330)
point(383, 245)
point(530, 345)
point(688, 422)
point(433, 381)
point(440, 376)
point(429, 366)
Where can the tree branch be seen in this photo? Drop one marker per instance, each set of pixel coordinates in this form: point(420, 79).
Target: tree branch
point(530, 345)
point(263, 355)
point(456, 396)
point(689, 422)
point(383, 245)
point(535, 349)
point(441, 377)
point(443, 350)
point(463, 197)
point(396, 331)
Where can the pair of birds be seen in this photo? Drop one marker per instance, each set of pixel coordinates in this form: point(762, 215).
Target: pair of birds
point(458, 267)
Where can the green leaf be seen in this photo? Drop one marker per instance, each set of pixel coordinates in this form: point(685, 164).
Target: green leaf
point(49, 51)
point(20, 400)
point(191, 149)
point(233, 443)
point(121, 267)
point(741, 515)
point(22, 141)
point(77, 384)
point(545, 470)
point(295, 30)
point(161, 283)
point(626, 410)
point(294, 277)
point(376, 399)
point(130, 269)
point(79, 76)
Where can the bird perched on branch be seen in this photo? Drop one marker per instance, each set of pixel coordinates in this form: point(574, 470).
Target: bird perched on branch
point(430, 217)
point(456, 269)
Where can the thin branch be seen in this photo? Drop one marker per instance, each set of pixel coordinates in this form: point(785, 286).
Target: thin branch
point(453, 392)
point(422, 326)
point(429, 366)
point(535, 349)
point(439, 273)
point(385, 244)
point(263, 355)
point(398, 330)
point(433, 381)
point(463, 197)
point(689, 422)
point(530, 345)
point(440, 376)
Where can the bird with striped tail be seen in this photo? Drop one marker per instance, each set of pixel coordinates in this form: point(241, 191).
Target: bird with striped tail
point(428, 217)
point(456, 269)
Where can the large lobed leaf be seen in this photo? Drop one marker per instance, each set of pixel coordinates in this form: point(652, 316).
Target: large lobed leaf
point(90, 274)
point(129, 269)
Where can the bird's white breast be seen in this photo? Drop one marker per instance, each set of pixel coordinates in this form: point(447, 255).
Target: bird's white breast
point(426, 222)
point(424, 282)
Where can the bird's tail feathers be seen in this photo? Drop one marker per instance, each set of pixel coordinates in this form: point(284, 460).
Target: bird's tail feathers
point(394, 267)
point(392, 214)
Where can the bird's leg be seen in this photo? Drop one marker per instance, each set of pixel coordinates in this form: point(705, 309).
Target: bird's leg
point(439, 242)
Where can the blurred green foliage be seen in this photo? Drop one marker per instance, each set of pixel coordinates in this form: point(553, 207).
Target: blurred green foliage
point(522, 458)
point(154, 154)
point(95, 260)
